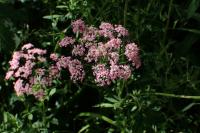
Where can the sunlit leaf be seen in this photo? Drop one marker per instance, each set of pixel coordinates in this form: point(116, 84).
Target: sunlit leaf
point(84, 128)
point(52, 92)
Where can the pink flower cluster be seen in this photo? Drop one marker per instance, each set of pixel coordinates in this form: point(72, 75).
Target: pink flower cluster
point(66, 41)
point(132, 52)
point(104, 49)
point(78, 26)
point(74, 66)
point(21, 68)
point(107, 30)
point(106, 53)
point(104, 75)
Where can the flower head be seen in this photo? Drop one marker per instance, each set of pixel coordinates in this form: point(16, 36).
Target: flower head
point(15, 62)
point(78, 50)
point(121, 31)
point(63, 62)
point(54, 57)
point(93, 54)
point(66, 41)
point(132, 54)
point(20, 87)
point(106, 30)
point(78, 26)
point(27, 46)
point(90, 34)
point(114, 43)
point(76, 70)
point(101, 74)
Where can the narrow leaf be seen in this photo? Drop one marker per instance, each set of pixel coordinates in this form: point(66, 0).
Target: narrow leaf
point(84, 128)
point(189, 106)
point(105, 105)
point(104, 118)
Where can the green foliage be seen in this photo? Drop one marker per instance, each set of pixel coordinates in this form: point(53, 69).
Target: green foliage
point(9, 37)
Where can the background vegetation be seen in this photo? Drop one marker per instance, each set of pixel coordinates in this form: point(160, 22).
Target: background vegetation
point(165, 96)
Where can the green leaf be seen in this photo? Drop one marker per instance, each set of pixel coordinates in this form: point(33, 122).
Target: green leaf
point(84, 128)
point(133, 108)
point(30, 117)
point(196, 31)
point(62, 7)
point(52, 92)
point(112, 100)
point(52, 16)
point(193, 6)
point(189, 106)
point(5, 1)
point(102, 117)
point(5, 116)
point(105, 105)
point(54, 121)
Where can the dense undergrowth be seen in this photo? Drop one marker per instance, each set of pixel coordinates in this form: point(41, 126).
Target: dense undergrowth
point(163, 95)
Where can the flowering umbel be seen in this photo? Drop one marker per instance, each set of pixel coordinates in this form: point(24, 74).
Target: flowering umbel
point(22, 67)
point(104, 53)
point(107, 49)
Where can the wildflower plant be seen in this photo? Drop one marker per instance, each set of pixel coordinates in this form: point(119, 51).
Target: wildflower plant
point(101, 57)
point(98, 57)
point(104, 53)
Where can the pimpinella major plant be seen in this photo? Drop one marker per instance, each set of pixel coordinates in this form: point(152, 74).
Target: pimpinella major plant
point(100, 56)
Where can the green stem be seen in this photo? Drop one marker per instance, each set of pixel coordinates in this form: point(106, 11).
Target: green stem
point(44, 114)
point(167, 26)
point(55, 48)
point(125, 11)
point(120, 87)
point(177, 96)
